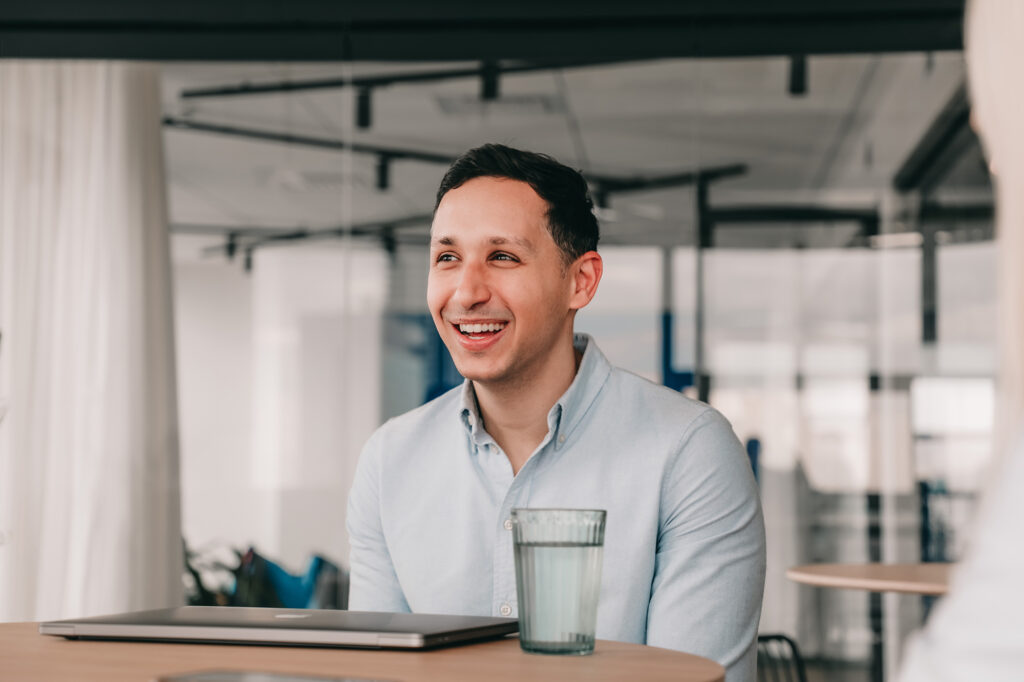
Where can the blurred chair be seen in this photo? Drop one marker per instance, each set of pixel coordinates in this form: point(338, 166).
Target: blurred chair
point(252, 579)
point(779, 660)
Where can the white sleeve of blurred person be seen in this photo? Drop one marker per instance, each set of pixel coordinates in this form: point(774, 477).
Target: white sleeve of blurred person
point(977, 631)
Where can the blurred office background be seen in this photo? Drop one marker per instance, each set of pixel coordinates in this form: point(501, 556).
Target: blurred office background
point(800, 235)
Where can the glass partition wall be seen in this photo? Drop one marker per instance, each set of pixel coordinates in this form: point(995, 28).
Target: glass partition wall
point(804, 243)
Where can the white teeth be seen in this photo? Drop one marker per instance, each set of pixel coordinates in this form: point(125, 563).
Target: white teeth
point(480, 328)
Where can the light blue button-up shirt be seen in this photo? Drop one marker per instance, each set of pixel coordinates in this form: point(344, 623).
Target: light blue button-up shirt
point(684, 556)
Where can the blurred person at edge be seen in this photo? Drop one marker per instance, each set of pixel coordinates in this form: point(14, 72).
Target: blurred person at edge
point(544, 420)
point(977, 631)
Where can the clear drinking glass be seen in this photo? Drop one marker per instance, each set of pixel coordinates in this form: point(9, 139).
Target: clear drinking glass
point(558, 578)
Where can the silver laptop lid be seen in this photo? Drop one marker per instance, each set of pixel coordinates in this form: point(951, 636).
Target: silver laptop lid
point(296, 627)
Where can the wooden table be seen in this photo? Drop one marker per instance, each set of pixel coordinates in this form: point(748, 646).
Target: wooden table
point(27, 655)
point(927, 579)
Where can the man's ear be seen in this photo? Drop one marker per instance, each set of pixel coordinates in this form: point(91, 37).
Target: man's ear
point(586, 275)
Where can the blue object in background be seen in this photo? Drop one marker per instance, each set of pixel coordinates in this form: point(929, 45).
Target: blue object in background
point(677, 381)
point(294, 591)
point(264, 583)
point(754, 453)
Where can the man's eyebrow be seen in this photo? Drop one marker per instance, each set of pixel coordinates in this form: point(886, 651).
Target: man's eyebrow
point(522, 242)
point(518, 241)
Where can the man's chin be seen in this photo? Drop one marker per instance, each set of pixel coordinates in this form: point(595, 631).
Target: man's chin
point(481, 375)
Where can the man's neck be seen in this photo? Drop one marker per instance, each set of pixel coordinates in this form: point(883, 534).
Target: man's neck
point(516, 415)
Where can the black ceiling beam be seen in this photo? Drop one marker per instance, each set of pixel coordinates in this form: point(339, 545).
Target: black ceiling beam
point(261, 231)
point(603, 183)
point(724, 217)
point(383, 233)
point(610, 184)
point(941, 146)
point(931, 211)
point(745, 215)
point(328, 83)
point(485, 70)
point(255, 237)
point(328, 30)
point(307, 140)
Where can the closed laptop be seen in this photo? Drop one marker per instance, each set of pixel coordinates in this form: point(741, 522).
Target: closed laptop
point(286, 627)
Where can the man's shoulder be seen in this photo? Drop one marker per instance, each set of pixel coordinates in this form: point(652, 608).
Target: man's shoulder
point(657, 402)
point(419, 423)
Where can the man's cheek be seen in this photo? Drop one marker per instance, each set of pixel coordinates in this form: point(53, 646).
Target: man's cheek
point(434, 301)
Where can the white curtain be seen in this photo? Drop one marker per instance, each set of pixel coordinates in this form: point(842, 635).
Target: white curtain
point(89, 493)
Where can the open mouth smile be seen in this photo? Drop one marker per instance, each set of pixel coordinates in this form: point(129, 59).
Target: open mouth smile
point(477, 331)
point(478, 336)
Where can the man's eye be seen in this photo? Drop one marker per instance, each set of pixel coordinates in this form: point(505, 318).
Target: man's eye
point(445, 258)
point(505, 257)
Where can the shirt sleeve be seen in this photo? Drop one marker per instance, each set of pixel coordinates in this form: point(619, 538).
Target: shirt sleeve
point(710, 562)
point(373, 584)
point(976, 632)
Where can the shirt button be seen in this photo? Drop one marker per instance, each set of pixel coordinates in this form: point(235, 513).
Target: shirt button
point(505, 610)
point(561, 439)
point(508, 524)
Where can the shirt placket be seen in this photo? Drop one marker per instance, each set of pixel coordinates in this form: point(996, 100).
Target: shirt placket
point(503, 596)
point(498, 471)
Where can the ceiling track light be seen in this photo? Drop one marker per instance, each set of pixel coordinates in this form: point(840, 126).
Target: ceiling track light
point(388, 242)
point(383, 172)
point(798, 75)
point(364, 110)
point(489, 73)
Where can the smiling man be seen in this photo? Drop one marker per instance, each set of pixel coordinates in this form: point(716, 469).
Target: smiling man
point(544, 420)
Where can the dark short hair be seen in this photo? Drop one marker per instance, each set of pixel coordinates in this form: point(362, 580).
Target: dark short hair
point(571, 219)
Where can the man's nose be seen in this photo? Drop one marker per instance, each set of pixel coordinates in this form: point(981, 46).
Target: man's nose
point(472, 287)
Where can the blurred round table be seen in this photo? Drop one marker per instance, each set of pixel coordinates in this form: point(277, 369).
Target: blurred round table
point(927, 579)
point(27, 655)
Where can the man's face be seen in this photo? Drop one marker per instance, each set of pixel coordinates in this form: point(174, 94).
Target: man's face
point(498, 289)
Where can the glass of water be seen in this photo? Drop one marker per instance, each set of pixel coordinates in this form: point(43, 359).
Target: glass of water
point(558, 578)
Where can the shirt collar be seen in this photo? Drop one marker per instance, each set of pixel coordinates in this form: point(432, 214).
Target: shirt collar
point(469, 411)
point(567, 413)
